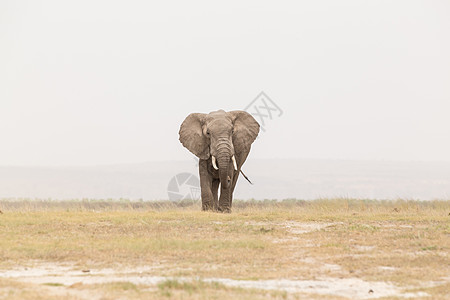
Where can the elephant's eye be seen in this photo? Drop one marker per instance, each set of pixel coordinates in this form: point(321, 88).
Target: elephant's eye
point(207, 132)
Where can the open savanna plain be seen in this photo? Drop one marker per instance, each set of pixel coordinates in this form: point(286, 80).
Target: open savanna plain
point(291, 249)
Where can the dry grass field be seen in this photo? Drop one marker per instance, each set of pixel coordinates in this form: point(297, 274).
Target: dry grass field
point(323, 249)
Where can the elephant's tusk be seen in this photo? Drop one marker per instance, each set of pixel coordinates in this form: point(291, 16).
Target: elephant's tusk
point(234, 162)
point(214, 163)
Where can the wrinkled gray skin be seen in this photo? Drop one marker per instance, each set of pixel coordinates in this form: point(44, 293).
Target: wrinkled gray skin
point(220, 134)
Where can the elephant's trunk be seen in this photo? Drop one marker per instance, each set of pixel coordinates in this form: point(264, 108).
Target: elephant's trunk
point(224, 153)
point(224, 164)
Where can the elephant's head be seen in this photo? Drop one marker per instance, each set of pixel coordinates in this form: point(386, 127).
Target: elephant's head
point(221, 135)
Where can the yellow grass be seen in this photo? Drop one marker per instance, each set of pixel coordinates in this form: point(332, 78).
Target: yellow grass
point(402, 242)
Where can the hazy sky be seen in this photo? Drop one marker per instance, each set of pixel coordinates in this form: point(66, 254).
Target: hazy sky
point(99, 82)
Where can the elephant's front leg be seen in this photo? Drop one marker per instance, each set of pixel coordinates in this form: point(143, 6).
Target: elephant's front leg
point(240, 159)
point(226, 195)
point(215, 192)
point(206, 186)
point(233, 185)
point(224, 200)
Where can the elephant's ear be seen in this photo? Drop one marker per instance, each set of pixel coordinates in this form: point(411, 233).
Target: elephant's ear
point(191, 135)
point(245, 130)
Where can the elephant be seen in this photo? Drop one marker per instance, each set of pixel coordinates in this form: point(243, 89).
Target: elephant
point(222, 141)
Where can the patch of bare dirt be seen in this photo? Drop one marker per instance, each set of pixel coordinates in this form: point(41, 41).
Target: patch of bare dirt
point(65, 276)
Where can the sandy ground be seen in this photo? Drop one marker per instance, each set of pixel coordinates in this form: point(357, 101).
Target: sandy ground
point(64, 276)
point(58, 278)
